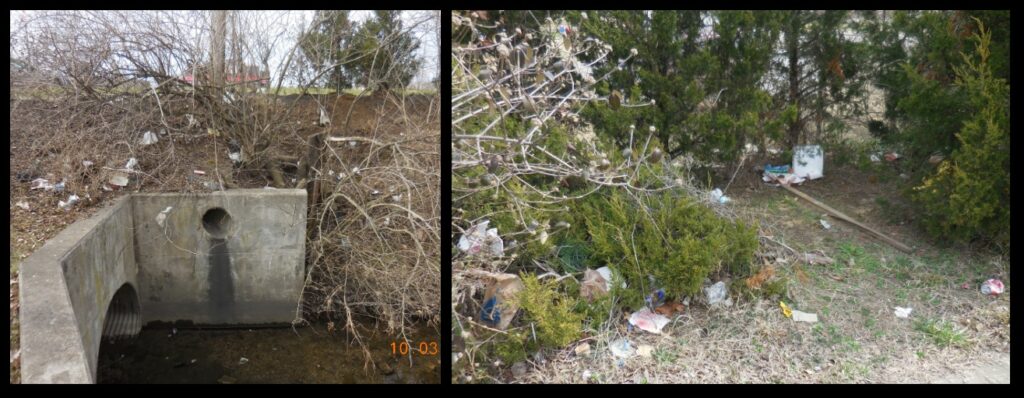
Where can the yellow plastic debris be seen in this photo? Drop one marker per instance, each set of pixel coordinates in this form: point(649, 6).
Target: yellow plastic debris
point(785, 310)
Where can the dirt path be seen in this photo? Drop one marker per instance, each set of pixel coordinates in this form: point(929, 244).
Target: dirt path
point(995, 370)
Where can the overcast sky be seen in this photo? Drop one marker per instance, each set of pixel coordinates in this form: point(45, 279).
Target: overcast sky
point(292, 21)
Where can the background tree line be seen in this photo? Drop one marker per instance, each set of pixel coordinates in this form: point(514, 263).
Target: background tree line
point(720, 80)
point(378, 51)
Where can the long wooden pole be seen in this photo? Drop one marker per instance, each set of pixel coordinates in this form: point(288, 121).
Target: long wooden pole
point(846, 218)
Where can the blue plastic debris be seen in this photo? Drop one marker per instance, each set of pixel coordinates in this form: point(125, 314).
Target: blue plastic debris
point(656, 298)
point(490, 313)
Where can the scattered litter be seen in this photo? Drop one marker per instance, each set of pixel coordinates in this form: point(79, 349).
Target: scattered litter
point(235, 157)
point(825, 224)
point(817, 259)
point(717, 294)
point(892, 156)
point(131, 164)
point(211, 185)
point(396, 198)
point(808, 161)
point(199, 172)
point(719, 197)
point(586, 374)
point(645, 350)
point(648, 321)
point(902, 312)
point(670, 309)
point(67, 205)
point(583, 350)
point(148, 138)
point(87, 163)
point(160, 221)
point(59, 187)
point(243, 361)
point(781, 173)
point(191, 120)
point(500, 304)
point(876, 157)
point(606, 273)
point(656, 298)
point(23, 205)
point(622, 348)
point(324, 120)
point(799, 316)
point(594, 285)
point(193, 360)
point(227, 380)
point(41, 183)
point(478, 237)
point(992, 287)
point(375, 192)
point(119, 180)
point(965, 286)
point(788, 313)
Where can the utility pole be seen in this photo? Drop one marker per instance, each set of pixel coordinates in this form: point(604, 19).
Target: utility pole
point(217, 50)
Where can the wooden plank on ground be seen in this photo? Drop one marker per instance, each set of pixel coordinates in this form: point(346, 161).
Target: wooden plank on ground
point(846, 218)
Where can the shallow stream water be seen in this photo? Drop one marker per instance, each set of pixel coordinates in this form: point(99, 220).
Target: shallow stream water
point(308, 354)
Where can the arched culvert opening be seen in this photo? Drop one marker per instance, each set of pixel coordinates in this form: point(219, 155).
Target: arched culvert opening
point(123, 318)
point(217, 222)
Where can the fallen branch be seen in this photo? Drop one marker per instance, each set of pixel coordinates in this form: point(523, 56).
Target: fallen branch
point(846, 218)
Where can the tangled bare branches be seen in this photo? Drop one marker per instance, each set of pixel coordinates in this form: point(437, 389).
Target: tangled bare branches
point(510, 94)
point(375, 240)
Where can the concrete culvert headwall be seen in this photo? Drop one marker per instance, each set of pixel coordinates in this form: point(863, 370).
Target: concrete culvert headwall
point(229, 258)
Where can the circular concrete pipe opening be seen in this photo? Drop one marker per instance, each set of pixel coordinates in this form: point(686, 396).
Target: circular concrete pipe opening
point(123, 319)
point(216, 222)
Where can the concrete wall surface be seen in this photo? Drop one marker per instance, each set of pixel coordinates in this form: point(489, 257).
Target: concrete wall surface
point(159, 257)
point(264, 243)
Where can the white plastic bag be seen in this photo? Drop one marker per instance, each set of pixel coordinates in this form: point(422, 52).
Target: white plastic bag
point(902, 312)
point(478, 239)
point(717, 294)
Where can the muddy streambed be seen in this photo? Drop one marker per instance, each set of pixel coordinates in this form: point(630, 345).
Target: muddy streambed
point(311, 354)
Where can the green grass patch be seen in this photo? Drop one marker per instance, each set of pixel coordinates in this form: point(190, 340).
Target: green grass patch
point(941, 333)
point(665, 356)
point(855, 255)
